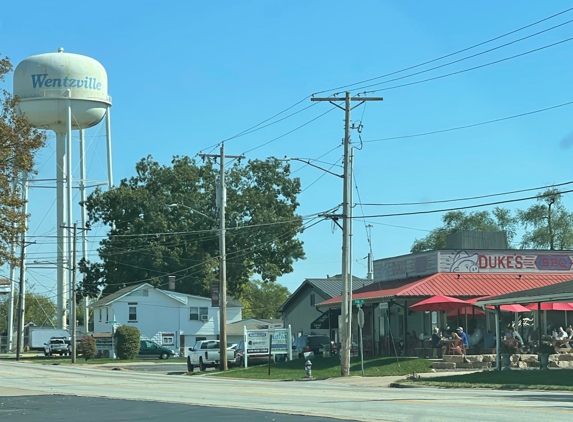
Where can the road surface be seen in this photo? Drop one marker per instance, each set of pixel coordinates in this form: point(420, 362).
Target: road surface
point(337, 398)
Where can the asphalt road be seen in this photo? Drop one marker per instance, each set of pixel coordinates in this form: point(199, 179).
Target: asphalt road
point(353, 398)
point(89, 409)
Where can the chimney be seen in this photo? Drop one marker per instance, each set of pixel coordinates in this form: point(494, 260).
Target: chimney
point(171, 280)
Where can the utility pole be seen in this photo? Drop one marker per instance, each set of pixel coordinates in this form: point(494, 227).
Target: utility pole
point(21, 298)
point(346, 307)
point(222, 203)
point(73, 268)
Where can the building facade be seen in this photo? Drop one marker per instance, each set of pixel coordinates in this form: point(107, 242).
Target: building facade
point(170, 319)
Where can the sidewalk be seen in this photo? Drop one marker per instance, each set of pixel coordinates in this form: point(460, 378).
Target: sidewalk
point(384, 381)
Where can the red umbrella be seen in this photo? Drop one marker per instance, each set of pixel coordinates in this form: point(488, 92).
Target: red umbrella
point(439, 303)
point(506, 308)
point(550, 306)
point(469, 310)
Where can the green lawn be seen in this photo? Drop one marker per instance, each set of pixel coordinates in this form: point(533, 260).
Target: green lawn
point(327, 367)
point(558, 379)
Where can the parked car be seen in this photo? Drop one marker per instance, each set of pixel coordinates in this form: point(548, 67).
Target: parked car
point(315, 343)
point(257, 358)
point(150, 349)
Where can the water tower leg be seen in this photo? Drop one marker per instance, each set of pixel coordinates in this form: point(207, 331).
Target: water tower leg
point(108, 137)
point(60, 221)
point(84, 218)
point(69, 193)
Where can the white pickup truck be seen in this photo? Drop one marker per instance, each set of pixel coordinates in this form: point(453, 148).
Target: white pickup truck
point(206, 354)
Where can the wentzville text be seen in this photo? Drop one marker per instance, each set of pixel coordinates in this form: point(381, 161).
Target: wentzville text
point(42, 81)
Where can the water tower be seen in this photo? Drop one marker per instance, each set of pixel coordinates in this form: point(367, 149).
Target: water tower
point(64, 92)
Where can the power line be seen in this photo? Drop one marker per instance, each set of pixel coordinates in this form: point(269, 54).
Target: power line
point(471, 125)
point(464, 199)
point(448, 55)
point(468, 57)
point(470, 68)
point(457, 208)
point(290, 131)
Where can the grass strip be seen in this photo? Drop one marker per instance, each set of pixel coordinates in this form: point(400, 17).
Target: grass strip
point(329, 367)
point(558, 379)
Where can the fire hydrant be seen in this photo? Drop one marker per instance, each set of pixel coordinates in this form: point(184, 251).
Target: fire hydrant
point(308, 369)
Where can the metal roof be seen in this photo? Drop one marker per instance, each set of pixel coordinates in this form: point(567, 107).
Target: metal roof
point(462, 285)
point(329, 287)
point(556, 292)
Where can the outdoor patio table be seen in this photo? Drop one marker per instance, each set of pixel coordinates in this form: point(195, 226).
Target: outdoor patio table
point(561, 345)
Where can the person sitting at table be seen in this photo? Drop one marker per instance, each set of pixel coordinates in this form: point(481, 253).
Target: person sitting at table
point(436, 338)
point(488, 340)
point(561, 334)
point(519, 340)
point(463, 336)
point(456, 347)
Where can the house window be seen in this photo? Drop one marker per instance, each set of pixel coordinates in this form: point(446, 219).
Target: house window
point(106, 314)
point(312, 299)
point(194, 313)
point(99, 314)
point(203, 313)
point(168, 339)
point(145, 293)
point(132, 312)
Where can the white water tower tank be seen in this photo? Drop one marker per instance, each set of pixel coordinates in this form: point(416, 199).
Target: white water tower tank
point(45, 83)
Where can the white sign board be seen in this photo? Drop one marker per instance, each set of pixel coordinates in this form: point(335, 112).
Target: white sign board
point(257, 342)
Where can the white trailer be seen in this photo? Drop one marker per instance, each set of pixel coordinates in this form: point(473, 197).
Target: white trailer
point(39, 336)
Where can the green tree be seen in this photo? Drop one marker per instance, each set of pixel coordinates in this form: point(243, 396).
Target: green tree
point(261, 300)
point(148, 240)
point(40, 310)
point(127, 342)
point(18, 144)
point(500, 219)
point(548, 224)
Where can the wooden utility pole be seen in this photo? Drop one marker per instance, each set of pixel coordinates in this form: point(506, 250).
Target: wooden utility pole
point(222, 203)
point(346, 306)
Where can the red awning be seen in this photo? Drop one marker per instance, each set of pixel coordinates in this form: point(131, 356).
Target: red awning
point(460, 285)
point(550, 306)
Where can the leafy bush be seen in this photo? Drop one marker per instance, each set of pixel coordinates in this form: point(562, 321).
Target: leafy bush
point(87, 347)
point(127, 342)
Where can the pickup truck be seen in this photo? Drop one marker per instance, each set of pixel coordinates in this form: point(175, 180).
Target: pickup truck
point(57, 346)
point(206, 354)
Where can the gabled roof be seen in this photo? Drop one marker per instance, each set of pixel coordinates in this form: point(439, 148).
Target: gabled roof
point(112, 297)
point(328, 287)
point(180, 297)
point(555, 292)
point(462, 285)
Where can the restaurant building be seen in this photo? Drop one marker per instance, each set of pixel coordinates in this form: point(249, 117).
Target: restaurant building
point(402, 281)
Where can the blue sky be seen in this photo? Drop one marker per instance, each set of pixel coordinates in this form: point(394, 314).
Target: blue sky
point(185, 75)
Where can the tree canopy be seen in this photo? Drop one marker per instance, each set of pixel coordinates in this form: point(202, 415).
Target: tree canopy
point(149, 240)
point(546, 224)
point(262, 300)
point(40, 310)
point(18, 144)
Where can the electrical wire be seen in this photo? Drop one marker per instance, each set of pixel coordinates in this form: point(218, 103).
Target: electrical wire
point(469, 126)
point(290, 131)
point(508, 201)
point(468, 57)
point(447, 55)
point(468, 69)
point(470, 198)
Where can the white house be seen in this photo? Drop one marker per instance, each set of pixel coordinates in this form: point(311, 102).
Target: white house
point(171, 319)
